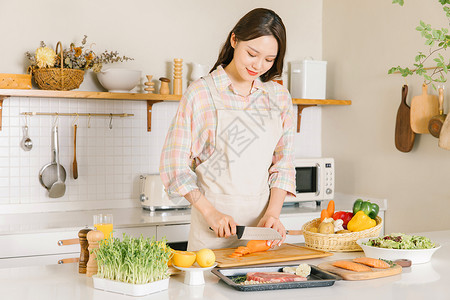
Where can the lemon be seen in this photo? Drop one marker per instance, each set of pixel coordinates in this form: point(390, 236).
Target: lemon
point(183, 259)
point(206, 258)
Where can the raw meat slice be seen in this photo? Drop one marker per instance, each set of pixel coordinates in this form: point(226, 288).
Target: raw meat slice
point(273, 277)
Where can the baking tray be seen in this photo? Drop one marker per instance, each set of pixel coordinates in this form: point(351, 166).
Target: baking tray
point(317, 278)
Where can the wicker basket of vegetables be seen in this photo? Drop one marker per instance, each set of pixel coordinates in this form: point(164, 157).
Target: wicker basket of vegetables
point(327, 233)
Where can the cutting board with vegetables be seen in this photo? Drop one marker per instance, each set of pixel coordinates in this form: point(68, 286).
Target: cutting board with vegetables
point(404, 136)
point(352, 275)
point(423, 108)
point(287, 252)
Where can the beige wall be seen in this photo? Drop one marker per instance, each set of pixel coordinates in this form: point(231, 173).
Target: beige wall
point(362, 39)
point(153, 32)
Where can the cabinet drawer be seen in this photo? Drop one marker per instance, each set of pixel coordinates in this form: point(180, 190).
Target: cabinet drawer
point(37, 244)
point(173, 233)
point(40, 260)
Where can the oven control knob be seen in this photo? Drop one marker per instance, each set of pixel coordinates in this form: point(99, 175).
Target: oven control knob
point(328, 191)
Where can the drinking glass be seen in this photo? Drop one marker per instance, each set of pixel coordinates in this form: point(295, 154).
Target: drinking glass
point(104, 223)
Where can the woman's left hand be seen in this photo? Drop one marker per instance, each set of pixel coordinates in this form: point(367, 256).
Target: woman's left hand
point(275, 223)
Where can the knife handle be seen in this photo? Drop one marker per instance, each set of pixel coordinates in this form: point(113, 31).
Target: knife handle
point(294, 232)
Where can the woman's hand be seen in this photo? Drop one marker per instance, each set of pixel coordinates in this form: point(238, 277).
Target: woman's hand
point(222, 224)
point(270, 221)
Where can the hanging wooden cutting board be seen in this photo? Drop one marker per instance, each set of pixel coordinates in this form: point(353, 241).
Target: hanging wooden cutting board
point(423, 108)
point(287, 252)
point(352, 275)
point(444, 136)
point(404, 136)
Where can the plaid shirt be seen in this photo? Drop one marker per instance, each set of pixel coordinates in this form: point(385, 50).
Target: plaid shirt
point(191, 136)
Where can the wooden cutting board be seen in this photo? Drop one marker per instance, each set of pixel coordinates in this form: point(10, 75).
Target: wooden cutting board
point(423, 108)
point(287, 252)
point(352, 275)
point(404, 136)
point(444, 136)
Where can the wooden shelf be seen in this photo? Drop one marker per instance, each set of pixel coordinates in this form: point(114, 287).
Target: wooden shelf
point(321, 101)
point(304, 103)
point(88, 95)
point(150, 98)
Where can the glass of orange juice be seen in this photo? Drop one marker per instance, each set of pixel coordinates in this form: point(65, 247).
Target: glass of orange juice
point(104, 223)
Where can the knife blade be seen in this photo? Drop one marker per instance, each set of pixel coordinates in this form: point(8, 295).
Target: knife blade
point(257, 233)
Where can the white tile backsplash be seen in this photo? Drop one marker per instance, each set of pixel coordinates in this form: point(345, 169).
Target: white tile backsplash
point(109, 160)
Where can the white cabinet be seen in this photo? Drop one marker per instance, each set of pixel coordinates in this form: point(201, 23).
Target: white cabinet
point(43, 248)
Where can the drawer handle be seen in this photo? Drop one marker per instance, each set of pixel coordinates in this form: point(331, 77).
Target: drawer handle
point(68, 242)
point(68, 260)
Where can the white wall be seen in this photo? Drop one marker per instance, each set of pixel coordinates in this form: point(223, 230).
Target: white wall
point(362, 39)
point(153, 33)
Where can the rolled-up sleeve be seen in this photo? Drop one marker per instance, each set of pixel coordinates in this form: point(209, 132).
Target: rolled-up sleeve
point(175, 168)
point(282, 171)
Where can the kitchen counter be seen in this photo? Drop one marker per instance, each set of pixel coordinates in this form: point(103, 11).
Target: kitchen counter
point(137, 217)
point(424, 281)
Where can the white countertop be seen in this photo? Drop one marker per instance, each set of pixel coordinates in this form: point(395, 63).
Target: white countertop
point(136, 217)
point(425, 281)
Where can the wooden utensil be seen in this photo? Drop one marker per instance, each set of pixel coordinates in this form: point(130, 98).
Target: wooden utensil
point(75, 165)
point(404, 136)
point(436, 122)
point(352, 275)
point(423, 108)
point(444, 136)
point(286, 252)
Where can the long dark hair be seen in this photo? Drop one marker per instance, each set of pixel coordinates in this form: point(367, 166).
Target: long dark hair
point(256, 23)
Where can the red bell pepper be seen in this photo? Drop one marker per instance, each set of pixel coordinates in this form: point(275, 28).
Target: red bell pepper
point(345, 216)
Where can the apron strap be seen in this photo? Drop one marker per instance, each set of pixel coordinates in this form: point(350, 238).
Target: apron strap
point(273, 105)
point(214, 92)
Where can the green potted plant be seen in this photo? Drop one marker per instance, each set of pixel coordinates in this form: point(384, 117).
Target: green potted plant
point(438, 40)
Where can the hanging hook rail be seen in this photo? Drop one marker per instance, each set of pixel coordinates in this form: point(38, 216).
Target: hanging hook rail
point(76, 114)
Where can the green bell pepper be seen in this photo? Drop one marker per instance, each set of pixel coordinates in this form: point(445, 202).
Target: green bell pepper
point(369, 208)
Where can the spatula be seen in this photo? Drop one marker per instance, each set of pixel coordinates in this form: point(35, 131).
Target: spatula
point(75, 165)
point(58, 189)
point(404, 136)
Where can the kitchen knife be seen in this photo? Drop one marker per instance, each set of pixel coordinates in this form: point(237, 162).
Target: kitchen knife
point(257, 233)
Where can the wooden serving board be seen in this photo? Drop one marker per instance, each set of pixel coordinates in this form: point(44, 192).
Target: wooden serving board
point(287, 252)
point(352, 275)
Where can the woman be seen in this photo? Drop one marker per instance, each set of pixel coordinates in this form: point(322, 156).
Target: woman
point(229, 148)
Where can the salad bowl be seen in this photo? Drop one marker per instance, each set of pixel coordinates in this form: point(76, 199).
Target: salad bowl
point(416, 256)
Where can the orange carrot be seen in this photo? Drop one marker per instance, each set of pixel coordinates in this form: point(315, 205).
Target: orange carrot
point(257, 245)
point(372, 262)
point(352, 266)
point(324, 215)
point(252, 246)
point(330, 208)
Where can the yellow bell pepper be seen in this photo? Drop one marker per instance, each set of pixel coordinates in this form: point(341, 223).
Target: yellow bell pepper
point(360, 221)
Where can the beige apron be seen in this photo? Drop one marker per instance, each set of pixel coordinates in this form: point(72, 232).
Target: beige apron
point(235, 178)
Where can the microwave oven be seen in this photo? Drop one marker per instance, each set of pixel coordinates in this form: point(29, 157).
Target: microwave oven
point(314, 179)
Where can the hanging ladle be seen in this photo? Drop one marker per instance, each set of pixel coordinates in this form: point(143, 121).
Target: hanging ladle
point(26, 143)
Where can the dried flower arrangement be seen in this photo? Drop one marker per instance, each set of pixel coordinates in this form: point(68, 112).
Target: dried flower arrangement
point(76, 57)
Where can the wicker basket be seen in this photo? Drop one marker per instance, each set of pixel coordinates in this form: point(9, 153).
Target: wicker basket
point(58, 78)
point(337, 242)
